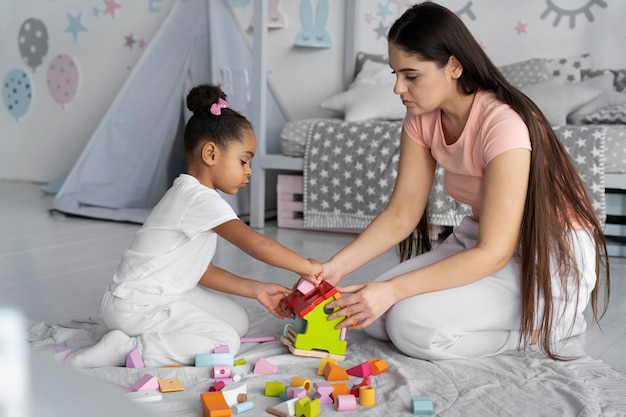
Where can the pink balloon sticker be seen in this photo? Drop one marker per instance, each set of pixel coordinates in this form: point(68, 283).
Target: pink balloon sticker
point(62, 79)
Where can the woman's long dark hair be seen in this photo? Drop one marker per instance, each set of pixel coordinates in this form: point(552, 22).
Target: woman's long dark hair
point(555, 190)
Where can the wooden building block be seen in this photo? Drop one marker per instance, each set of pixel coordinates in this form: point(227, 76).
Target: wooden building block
point(134, 359)
point(211, 359)
point(284, 409)
point(263, 366)
point(146, 382)
point(298, 381)
point(221, 371)
point(307, 407)
point(362, 370)
point(231, 392)
point(274, 388)
point(170, 385)
point(421, 406)
point(339, 389)
point(323, 391)
point(377, 365)
point(345, 403)
point(214, 405)
point(323, 361)
point(367, 396)
point(334, 372)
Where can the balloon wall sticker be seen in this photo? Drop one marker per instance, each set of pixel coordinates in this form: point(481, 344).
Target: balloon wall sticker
point(63, 79)
point(32, 40)
point(17, 92)
point(313, 33)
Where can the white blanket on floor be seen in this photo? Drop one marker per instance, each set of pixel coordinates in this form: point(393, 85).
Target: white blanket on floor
point(515, 384)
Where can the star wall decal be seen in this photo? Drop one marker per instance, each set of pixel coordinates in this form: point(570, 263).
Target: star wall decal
point(130, 41)
point(521, 27)
point(384, 11)
point(381, 30)
point(75, 25)
point(111, 7)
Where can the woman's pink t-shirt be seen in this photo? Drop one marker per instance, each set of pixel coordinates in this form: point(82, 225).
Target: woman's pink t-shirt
point(491, 129)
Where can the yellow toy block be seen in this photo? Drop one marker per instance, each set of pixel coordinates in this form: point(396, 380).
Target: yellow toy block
point(307, 407)
point(170, 385)
point(323, 362)
point(298, 381)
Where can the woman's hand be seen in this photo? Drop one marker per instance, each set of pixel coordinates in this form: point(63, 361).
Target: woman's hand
point(363, 304)
point(272, 296)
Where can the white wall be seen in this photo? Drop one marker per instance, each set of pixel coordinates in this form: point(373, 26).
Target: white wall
point(47, 140)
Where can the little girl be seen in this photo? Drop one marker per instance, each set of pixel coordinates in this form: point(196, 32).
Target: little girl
point(164, 298)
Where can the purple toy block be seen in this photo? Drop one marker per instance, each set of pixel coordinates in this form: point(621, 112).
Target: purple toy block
point(345, 402)
point(295, 392)
point(323, 391)
point(222, 349)
point(134, 359)
point(146, 382)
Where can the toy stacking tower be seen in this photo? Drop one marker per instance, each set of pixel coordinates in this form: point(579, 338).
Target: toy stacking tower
point(312, 334)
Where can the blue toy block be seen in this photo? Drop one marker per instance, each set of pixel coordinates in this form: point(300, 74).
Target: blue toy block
point(421, 406)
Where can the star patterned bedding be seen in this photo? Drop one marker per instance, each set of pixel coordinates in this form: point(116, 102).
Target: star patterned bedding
point(350, 169)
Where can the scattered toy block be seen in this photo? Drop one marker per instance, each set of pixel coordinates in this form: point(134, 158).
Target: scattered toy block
point(284, 409)
point(240, 361)
point(172, 366)
point(274, 388)
point(134, 359)
point(307, 407)
point(421, 406)
point(323, 361)
point(263, 366)
point(355, 388)
point(221, 371)
point(61, 352)
point(217, 386)
point(257, 339)
point(242, 407)
point(231, 393)
point(323, 391)
point(211, 359)
point(377, 366)
point(345, 403)
point(144, 396)
point(222, 349)
point(146, 382)
point(361, 370)
point(214, 405)
point(170, 385)
point(298, 381)
point(334, 372)
point(339, 389)
point(295, 392)
point(367, 396)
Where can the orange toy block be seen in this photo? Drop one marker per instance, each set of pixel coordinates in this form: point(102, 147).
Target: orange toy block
point(334, 372)
point(377, 365)
point(214, 405)
point(323, 362)
point(339, 389)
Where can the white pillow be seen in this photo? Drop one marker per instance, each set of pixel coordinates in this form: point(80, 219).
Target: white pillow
point(557, 100)
point(367, 101)
point(373, 72)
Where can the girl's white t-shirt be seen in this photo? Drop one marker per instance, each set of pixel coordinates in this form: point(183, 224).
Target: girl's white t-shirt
point(175, 245)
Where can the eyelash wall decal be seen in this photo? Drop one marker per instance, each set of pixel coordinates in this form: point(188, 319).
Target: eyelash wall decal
point(467, 10)
point(571, 13)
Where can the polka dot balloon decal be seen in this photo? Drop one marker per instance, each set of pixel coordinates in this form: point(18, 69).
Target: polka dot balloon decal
point(33, 42)
point(17, 92)
point(62, 79)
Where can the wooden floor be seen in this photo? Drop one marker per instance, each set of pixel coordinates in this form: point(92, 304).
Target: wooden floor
point(54, 268)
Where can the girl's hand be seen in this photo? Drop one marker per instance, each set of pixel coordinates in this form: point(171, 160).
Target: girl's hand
point(331, 274)
point(272, 296)
point(363, 304)
point(315, 272)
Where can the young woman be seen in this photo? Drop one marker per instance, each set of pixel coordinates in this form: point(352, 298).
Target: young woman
point(165, 295)
point(522, 268)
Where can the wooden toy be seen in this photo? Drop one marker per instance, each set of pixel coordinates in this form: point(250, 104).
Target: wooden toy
point(134, 359)
point(339, 389)
point(304, 286)
point(355, 388)
point(170, 385)
point(221, 371)
point(240, 361)
point(211, 359)
point(257, 339)
point(222, 349)
point(314, 335)
point(217, 386)
point(242, 407)
point(274, 388)
point(214, 405)
point(146, 382)
point(367, 396)
point(144, 396)
point(172, 366)
point(61, 352)
point(295, 392)
point(323, 391)
point(307, 407)
point(345, 403)
point(232, 393)
point(284, 409)
point(263, 366)
point(334, 372)
point(421, 406)
point(323, 362)
point(377, 365)
point(362, 370)
point(298, 381)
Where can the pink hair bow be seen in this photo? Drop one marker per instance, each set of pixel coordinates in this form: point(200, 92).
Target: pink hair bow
point(216, 108)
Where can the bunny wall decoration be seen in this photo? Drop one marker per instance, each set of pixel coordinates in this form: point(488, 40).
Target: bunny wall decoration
point(275, 16)
point(313, 33)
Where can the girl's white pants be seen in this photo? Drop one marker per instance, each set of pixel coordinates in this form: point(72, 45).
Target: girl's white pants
point(172, 330)
point(482, 318)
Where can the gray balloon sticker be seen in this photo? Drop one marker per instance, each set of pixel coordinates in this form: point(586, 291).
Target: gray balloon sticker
point(33, 42)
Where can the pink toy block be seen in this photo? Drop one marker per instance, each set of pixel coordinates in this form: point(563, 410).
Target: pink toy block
point(146, 382)
point(263, 366)
point(134, 359)
point(222, 349)
point(345, 403)
point(257, 339)
point(295, 392)
point(305, 286)
point(361, 370)
point(343, 334)
point(217, 386)
point(323, 390)
point(221, 371)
